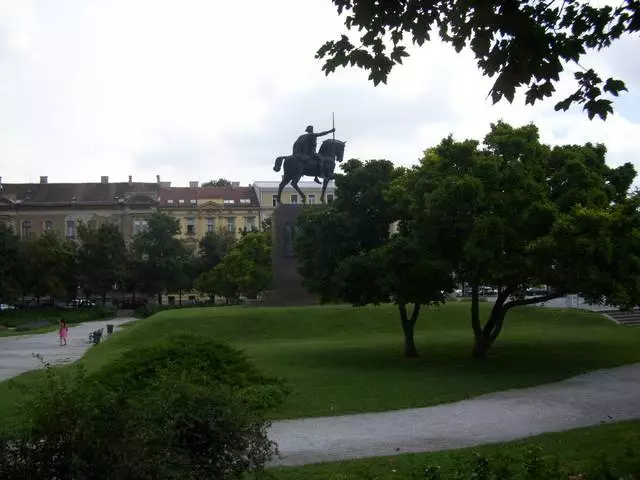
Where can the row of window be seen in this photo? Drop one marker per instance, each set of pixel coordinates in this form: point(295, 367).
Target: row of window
point(193, 201)
point(311, 199)
point(26, 228)
point(140, 225)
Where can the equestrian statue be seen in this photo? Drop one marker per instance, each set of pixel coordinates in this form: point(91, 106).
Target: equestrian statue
point(305, 161)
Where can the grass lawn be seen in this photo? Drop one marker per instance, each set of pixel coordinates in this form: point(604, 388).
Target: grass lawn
point(576, 451)
point(35, 331)
point(339, 359)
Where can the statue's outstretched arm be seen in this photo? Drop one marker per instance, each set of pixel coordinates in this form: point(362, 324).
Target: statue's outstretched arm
point(322, 134)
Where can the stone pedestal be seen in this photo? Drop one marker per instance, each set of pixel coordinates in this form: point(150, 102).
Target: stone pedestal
point(286, 288)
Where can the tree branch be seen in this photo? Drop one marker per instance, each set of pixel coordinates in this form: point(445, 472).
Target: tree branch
point(531, 301)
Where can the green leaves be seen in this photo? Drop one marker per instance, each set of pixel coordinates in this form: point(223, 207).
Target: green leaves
point(525, 43)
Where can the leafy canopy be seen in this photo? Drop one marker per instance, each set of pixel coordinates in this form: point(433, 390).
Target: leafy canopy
point(525, 43)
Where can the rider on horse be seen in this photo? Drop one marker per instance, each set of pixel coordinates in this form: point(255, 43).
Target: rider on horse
point(306, 144)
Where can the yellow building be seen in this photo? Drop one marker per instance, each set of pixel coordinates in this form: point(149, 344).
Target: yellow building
point(267, 192)
point(208, 209)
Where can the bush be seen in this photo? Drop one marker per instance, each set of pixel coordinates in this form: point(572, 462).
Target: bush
point(187, 409)
point(17, 318)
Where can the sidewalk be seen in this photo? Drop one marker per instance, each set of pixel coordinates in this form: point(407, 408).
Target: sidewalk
point(585, 400)
point(16, 353)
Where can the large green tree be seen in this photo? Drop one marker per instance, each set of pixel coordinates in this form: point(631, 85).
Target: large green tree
point(51, 266)
point(12, 265)
point(214, 246)
point(526, 43)
point(101, 257)
point(345, 251)
point(245, 270)
point(221, 182)
point(515, 213)
point(158, 256)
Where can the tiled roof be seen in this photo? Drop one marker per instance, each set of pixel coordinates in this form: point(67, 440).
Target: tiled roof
point(78, 193)
point(172, 196)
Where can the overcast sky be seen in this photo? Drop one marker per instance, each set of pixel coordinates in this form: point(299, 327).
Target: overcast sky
point(201, 89)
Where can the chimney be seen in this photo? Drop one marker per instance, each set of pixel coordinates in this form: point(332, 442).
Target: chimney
point(130, 179)
point(158, 178)
point(104, 179)
point(235, 184)
point(44, 179)
point(193, 184)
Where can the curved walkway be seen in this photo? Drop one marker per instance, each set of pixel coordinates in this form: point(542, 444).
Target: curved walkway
point(588, 399)
point(16, 353)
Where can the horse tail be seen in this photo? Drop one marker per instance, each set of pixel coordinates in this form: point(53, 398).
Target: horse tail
point(278, 165)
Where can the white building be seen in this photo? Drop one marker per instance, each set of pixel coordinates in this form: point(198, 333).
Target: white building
point(267, 192)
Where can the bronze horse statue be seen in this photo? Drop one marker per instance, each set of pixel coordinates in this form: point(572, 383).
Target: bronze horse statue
point(297, 165)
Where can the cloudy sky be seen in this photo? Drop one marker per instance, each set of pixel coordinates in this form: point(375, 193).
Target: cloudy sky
point(201, 89)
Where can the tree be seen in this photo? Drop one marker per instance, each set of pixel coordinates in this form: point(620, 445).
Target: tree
point(101, 257)
point(516, 213)
point(345, 251)
point(266, 225)
point(214, 246)
point(245, 270)
point(221, 182)
point(12, 266)
point(52, 265)
point(526, 43)
point(158, 255)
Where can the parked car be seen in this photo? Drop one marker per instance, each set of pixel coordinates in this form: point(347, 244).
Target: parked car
point(4, 306)
point(82, 303)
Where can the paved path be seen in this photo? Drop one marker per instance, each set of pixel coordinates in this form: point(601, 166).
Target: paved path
point(589, 399)
point(16, 353)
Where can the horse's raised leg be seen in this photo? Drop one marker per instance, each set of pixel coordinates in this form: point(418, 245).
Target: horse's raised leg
point(285, 179)
point(294, 184)
point(324, 189)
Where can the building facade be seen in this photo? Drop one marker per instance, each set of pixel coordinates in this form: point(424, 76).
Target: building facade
point(33, 208)
point(267, 193)
point(208, 209)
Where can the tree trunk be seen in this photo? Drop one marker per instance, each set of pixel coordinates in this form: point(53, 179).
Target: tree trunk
point(408, 327)
point(180, 297)
point(160, 299)
point(104, 298)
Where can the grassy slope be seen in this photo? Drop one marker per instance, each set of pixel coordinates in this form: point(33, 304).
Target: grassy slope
point(339, 359)
point(576, 451)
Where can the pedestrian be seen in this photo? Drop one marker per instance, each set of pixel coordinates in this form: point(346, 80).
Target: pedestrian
point(64, 332)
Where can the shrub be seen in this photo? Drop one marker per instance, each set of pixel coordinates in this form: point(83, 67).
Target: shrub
point(185, 409)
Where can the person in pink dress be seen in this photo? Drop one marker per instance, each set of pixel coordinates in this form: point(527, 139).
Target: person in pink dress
point(64, 332)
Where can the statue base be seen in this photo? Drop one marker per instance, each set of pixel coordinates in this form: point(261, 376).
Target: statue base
point(287, 289)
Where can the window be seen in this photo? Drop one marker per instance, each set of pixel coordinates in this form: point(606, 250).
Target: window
point(245, 201)
point(71, 228)
point(231, 224)
point(294, 199)
point(181, 201)
point(274, 200)
point(250, 223)
point(312, 199)
point(26, 228)
point(48, 225)
point(191, 226)
point(228, 202)
point(192, 201)
point(329, 198)
point(139, 226)
point(169, 201)
point(211, 225)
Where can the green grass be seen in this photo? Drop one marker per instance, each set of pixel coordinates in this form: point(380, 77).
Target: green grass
point(576, 451)
point(35, 331)
point(339, 359)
